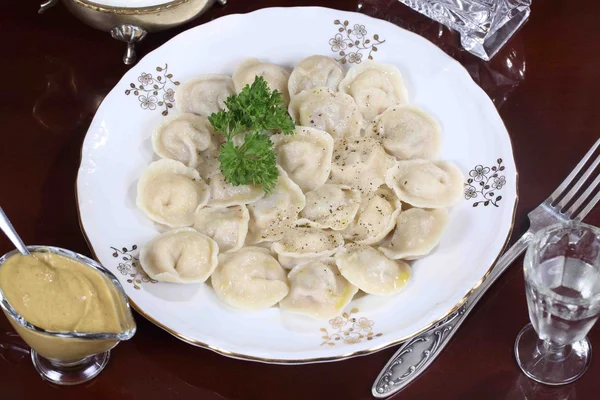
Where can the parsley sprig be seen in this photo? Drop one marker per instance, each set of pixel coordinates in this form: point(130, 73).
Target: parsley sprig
point(251, 112)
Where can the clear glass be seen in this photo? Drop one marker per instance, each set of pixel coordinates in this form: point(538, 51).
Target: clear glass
point(70, 358)
point(562, 281)
point(484, 25)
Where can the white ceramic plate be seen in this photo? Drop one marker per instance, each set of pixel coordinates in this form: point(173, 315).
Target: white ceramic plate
point(117, 149)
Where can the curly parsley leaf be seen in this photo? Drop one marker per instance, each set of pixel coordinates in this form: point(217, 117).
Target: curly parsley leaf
point(254, 110)
point(252, 162)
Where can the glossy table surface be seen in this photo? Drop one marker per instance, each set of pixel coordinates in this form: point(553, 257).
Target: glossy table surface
point(55, 71)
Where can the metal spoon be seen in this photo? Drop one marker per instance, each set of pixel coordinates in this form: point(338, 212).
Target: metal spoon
point(12, 235)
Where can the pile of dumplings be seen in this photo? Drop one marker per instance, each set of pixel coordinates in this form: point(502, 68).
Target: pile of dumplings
point(359, 191)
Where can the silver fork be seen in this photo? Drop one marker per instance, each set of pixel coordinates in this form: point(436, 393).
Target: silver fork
point(415, 355)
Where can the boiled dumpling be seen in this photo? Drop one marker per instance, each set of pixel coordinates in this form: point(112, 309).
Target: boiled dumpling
point(329, 111)
point(305, 156)
point(180, 256)
point(374, 87)
point(290, 262)
point(208, 160)
point(249, 278)
point(308, 243)
point(226, 226)
point(170, 193)
point(407, 132)
point(204, 95)
point(375, 218)
point(371, 271)
point(417, 232)
point(276, 212)
point(223, 194)
point(208, 164)
point(315, 71)
point(426, 184)
point(182, 138)
point(330, 206)
point(275, 76)
point(266, 246)
point(360, 163)
point(318, 290)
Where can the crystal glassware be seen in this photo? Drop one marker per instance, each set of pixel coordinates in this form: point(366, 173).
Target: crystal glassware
point(71, 358)
point(484, 25)
point(562, 281)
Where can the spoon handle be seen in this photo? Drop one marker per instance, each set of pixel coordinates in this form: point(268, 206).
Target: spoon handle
point(12, 235)
point(418, 353)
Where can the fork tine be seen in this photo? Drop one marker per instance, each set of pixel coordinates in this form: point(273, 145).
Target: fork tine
point(588, 208)
point(565, 200)
point(571, 211)
point(561, 188)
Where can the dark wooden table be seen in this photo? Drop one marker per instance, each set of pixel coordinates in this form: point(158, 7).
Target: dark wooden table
point(55, 71)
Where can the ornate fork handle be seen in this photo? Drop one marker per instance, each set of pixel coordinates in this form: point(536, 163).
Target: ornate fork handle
point(414, 356)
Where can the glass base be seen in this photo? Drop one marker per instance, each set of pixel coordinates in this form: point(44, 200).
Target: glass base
point(540, 363)
point(73, 373)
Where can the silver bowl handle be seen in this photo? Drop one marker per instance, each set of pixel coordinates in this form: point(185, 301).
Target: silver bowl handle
point(129, 34)
point(46, 5)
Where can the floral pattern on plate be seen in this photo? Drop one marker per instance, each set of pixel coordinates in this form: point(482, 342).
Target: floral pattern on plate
point(155, 91)
point(348, 329)
point(129, 264)
point(485, 183)
point(352, 42)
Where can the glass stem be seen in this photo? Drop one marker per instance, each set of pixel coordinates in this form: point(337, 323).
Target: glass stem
point(552, 352)
point(68, 364)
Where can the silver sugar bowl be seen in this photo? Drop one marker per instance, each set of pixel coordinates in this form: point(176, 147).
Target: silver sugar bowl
point(131, 24)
